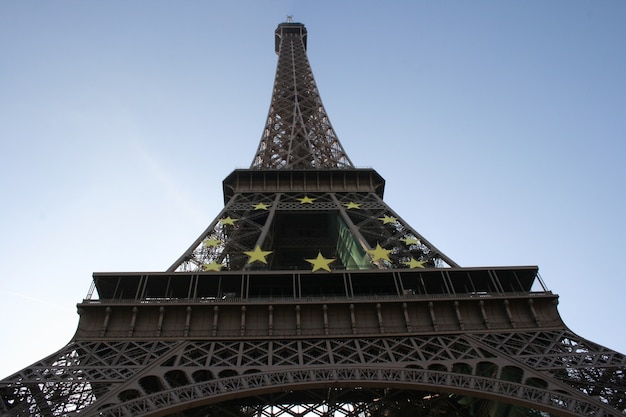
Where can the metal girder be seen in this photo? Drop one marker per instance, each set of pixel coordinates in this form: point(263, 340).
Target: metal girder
point(133, 378)
point(298, 133)
point(370, 222)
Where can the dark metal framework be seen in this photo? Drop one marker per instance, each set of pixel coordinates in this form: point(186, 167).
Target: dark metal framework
point(298, 133)
point(330, 195)
point(247, 322)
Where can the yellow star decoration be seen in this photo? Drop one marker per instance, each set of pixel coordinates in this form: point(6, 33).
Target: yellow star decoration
point(387, 219)
point(379, 253)
point(258, 255)
point(211, 243)
point(320, 262)
point(260, 206)
point(352, 205)
point(306, 200)
point(415, 264)
point(410, 241)
point(213, 266)
point(229, 220)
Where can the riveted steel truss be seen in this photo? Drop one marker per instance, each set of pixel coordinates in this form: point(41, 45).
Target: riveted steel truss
point(298, 133)
point(364, 218)
point(456, 373)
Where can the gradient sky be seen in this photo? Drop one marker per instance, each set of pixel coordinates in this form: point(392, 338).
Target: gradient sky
point(498, 125)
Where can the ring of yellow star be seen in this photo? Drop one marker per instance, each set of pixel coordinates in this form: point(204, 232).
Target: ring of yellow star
point(228, 220)
point(258, 255)
point(260, 206)
point(213, 266)
point(306, 200)
point(320, 262)
point(211, 242)
point(379, 253)
point(388, 219)
point(414, 263)
point(352, 205)
point(409, 240)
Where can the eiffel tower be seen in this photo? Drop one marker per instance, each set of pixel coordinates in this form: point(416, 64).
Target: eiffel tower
point(309, 296)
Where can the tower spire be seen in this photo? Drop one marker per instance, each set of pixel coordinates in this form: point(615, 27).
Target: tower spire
point(297, 132)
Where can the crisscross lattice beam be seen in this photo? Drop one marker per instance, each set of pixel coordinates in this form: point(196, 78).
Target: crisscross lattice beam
point(298, 133)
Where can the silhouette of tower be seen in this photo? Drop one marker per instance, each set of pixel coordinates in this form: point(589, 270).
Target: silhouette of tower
point(309, 296)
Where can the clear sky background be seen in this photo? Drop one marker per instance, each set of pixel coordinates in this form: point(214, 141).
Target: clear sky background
point(498, 125)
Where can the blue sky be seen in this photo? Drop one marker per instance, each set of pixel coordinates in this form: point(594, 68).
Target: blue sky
point(498, 125)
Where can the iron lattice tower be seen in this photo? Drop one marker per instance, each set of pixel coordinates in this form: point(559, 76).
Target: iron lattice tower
point(309, 296)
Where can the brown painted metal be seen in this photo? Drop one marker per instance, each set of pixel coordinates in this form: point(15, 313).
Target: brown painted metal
point(298, 133)
point(369, 337)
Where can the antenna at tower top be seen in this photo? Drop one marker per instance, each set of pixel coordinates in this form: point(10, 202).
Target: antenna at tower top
point(289, 18)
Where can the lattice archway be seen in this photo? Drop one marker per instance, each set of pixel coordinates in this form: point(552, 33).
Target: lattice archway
point(348, 392)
